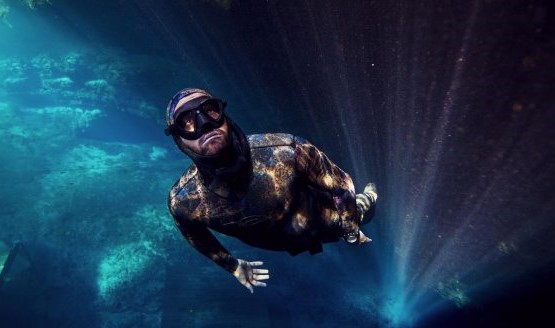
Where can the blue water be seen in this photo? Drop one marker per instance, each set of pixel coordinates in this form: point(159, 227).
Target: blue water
point(448, 108)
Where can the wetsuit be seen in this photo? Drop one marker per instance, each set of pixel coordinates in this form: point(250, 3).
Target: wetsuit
point(291, 198)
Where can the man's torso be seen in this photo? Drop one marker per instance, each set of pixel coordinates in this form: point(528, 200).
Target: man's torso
point(279, 210)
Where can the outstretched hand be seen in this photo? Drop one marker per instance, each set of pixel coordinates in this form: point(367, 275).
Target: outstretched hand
point(248, 276)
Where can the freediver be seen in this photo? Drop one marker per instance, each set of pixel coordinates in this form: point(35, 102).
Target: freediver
point(273, 191)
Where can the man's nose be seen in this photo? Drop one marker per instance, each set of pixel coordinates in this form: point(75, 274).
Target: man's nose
point(204, 124)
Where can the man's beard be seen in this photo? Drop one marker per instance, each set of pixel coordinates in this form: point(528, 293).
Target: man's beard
point(213, 147)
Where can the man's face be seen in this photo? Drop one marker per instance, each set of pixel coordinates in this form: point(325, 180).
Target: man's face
point(210, 143)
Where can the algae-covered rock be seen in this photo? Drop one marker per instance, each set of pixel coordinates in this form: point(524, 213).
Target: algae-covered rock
point(453, 290)
point(122, 265)
point(34, 4)
point(130, 285)
point(41, 131)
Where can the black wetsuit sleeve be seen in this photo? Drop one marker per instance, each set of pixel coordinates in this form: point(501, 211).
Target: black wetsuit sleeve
point(321, 173)
point(204, 241)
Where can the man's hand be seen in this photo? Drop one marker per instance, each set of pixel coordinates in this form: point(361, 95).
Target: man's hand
point(248, 276)
point(363, 239)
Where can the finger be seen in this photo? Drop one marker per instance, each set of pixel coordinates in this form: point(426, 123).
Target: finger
point(261, 277)
point(363, 239)
point(256, 263)
point(259, 284)
point(249, 287)
point(263, 271)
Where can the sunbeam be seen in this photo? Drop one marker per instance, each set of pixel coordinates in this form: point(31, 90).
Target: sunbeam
point(446, 107)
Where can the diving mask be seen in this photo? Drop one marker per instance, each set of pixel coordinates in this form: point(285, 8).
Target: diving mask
point(192, 123)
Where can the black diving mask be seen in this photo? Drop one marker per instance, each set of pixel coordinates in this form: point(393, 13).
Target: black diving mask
point(192, 123)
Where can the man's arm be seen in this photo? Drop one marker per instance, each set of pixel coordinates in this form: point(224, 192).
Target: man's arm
point(204, 241)
point(321, 173)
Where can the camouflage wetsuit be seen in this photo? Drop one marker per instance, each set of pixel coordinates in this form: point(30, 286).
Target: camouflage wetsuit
point(296, 200)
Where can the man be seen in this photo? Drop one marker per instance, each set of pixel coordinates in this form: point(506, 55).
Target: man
point(273, 191)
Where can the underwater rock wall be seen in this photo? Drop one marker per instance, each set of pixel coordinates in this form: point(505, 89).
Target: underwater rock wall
point(95, 209)
point(89, 79)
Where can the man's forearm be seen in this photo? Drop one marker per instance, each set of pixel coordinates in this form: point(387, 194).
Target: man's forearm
point(204, 241)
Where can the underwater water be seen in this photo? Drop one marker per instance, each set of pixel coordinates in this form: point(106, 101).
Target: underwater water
point(449, 107)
